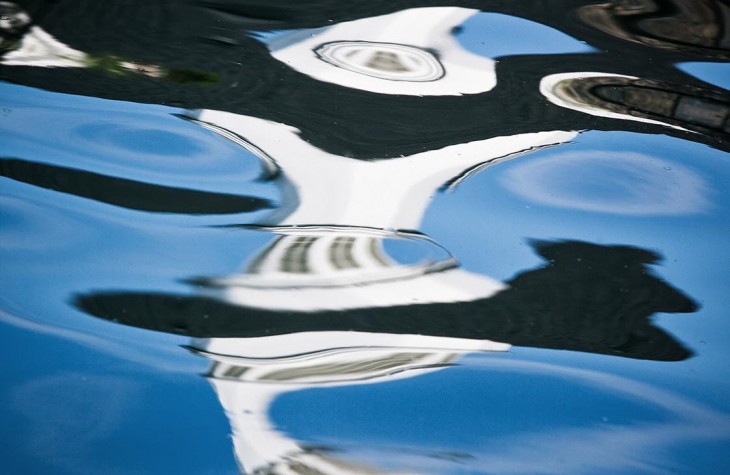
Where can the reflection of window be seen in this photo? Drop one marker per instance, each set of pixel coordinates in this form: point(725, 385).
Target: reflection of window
point(387, 61)
point(390, 61)
point(341, 253)
point(295, 257)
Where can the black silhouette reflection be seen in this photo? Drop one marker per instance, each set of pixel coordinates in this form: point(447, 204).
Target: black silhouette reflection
point(126, 193)
point(697, 26)
point(587, 297)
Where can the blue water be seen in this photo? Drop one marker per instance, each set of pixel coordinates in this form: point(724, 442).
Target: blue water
point(405, 239)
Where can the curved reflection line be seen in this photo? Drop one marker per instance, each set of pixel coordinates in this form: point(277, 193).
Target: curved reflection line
point(271, 167)
point(454, 183)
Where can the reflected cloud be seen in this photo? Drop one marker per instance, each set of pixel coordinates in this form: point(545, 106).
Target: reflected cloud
point(625, 183)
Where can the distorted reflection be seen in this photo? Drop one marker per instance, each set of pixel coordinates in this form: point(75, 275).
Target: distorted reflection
point(623, 97)
point(126, 193)
point(699, 26)
point(415, 47)
point(298, 66)
point(358, 124)
point(269, 340)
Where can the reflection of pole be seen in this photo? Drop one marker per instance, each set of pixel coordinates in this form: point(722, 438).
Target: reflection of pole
point(249, 374)
point(410, 52)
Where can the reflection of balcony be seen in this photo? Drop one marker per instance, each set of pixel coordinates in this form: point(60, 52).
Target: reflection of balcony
point(623, 97)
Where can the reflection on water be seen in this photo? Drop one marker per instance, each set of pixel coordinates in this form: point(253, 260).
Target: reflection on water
point(705, 111)
point(697, 26)
point(587, 298)
point(412, 52)
point(357, 118)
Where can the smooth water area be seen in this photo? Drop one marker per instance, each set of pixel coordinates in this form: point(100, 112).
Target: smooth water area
point(364, 238)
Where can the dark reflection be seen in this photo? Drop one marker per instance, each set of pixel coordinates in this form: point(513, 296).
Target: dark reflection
point(212, 55)
point(698, 26)
point(127, 193)
point(700, 110)
point(587, 297)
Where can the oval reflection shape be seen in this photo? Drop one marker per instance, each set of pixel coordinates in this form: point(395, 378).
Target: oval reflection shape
point(616, 182)
point(390, 61)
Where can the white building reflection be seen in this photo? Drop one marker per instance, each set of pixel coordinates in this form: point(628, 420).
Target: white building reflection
point(347, 234)
point(410, 52)
point(331, 252)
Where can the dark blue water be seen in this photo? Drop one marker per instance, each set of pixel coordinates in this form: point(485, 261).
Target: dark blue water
point(367, 237)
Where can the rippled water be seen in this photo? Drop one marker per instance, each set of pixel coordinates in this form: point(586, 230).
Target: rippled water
point(393, 237)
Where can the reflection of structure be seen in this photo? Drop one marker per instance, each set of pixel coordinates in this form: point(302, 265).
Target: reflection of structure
point(592, 298)
point(270, 366)
point(409, 52)
point(340, 296)
point(589, 298)
point(630, 98)
point(683, 25)
point(201, 58)
point(338, 268)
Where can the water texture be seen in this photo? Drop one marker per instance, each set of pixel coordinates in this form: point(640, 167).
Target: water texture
point(402, 237)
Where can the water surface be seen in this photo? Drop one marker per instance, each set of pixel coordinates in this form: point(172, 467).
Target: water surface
point(392, 237)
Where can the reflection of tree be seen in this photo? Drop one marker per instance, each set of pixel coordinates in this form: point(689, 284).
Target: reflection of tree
point(588, 297)
point(127, 193)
